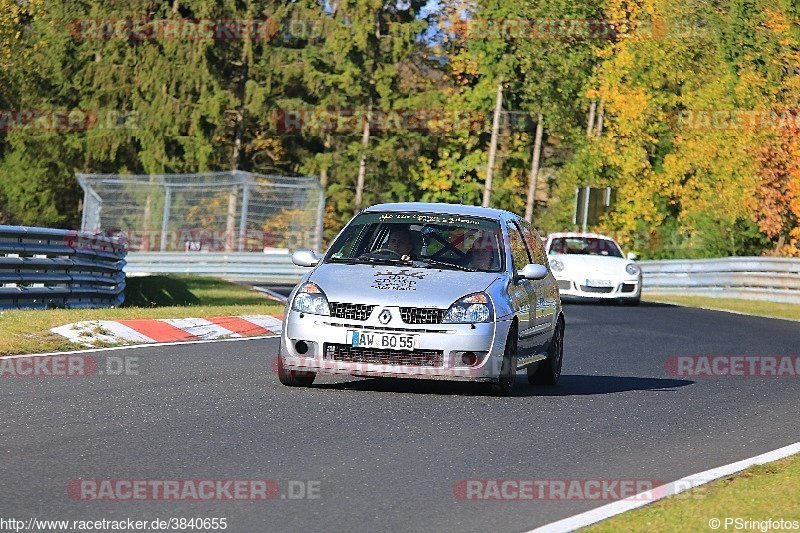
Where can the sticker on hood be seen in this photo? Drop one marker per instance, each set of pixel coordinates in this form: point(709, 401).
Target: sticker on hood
point(402, 280)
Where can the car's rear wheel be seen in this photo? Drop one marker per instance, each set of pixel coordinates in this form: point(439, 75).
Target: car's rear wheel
point(294, 378)
point(549, 370)
point(508, 371)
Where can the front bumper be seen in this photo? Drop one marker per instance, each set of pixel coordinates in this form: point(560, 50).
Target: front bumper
point(620, 288)
point(327, 337)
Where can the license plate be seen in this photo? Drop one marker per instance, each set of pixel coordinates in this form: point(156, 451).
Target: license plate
point(385, 341)
point(599, 283)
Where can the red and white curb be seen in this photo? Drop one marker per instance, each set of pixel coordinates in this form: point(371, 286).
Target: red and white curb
point(149, 331)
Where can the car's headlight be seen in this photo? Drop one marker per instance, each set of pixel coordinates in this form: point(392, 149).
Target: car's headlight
point(310, 299)
point(470, 310)
point(556, 265)
point(631, 269)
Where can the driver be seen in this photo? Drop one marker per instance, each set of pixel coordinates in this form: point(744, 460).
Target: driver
point(482, 258)
point(399, 241)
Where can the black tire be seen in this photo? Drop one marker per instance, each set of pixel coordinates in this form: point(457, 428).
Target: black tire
point(633, 302)
point(294, 378)
point(549, 370)
point(508, 371)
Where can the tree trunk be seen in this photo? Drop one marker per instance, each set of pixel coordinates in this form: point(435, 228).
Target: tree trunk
point(146, 244)
point(236, 157)
point(600, 114)
point(362, 164)
point(590, 123)
point(779, 244)
point(230, 223)
point(323, 172)
point(498, 107)
point(533, 180)
point(365, 134)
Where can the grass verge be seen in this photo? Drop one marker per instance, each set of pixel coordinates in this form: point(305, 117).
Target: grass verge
point(750, 307)
point(758, 493)
point(28, 331)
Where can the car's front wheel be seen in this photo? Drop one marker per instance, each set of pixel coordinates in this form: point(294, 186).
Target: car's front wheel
point(294, 378)
point(508, 371)
point(549, 370)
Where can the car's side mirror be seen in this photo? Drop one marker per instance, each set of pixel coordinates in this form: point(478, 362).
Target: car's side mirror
point(632, 256)
point(532, 272)
point(305, 258)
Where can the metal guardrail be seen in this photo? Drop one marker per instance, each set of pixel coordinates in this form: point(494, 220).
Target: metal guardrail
point(753, 278)
point(42, 268)
point(274, 266)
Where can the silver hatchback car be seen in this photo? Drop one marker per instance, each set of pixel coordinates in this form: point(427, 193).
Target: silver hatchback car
point(425, 290)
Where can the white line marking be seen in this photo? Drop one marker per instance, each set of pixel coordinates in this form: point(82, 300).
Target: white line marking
point(742, 313)
point(275, 295)
point(695, 480)
point(131, 346)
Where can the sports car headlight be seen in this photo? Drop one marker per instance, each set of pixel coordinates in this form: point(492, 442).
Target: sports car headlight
point(310, 299)
point(631, 269)
point(470, 310)
point(556, 265)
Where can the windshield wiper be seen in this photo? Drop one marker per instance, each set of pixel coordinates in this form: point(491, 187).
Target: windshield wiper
point(443, 264)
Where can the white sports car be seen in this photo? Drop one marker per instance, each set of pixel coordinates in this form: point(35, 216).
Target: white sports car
point(591, 266)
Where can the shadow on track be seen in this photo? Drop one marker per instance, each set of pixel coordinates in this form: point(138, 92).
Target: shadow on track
point(570, 385)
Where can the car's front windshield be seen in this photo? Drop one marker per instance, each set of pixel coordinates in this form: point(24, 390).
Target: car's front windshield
point(584, 246)
point(424, 240)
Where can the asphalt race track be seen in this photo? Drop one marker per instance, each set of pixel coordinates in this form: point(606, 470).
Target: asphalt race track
point(388, 454)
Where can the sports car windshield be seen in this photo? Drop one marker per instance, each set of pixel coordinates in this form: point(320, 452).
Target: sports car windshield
point(421, 240)
point(585, 246)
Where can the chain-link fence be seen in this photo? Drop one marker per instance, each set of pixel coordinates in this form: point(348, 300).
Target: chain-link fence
point(209, 211)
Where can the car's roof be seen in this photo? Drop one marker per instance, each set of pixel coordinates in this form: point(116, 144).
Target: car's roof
point(445, 209)
point(577, 234)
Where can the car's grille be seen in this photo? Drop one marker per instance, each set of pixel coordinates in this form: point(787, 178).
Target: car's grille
point(345, 352)
point(420, 315)
point(628, 287)
point(351, 311)
point(605, 290)
point(564, 285)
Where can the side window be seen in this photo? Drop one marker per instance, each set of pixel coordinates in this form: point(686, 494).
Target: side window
point(534, 242)
point(519, 250)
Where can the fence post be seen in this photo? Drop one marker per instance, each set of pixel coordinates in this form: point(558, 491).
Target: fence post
point(165, 217)
point(243, 214)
